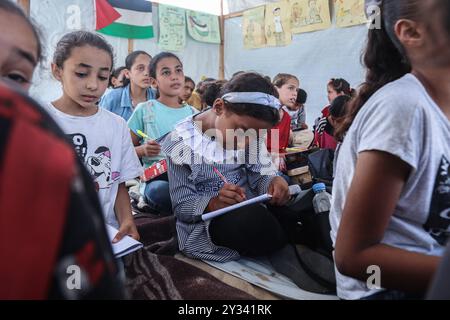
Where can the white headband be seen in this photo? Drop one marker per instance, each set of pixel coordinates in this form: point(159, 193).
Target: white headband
point(254, 98)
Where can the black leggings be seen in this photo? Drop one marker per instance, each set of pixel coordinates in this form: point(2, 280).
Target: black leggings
point(252, 231)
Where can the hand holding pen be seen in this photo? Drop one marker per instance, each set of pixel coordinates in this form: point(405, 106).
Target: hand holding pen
point(150, 148)
point(229, 194)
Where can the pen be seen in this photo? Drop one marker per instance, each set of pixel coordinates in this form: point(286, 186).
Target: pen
point(142, 134)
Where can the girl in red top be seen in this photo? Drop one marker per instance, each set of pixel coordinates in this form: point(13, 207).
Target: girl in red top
point(278, 137)
point(335, 88)
point(324, 138)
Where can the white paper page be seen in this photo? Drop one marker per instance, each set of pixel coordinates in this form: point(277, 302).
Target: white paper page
point(124, 246)
point(213, 214)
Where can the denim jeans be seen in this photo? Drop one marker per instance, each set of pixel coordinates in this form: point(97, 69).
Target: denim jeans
point(157, 196)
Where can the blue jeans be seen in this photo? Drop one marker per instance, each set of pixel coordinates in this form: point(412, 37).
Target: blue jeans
point(157, 196)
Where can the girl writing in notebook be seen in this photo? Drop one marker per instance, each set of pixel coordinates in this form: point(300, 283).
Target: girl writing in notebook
point(204, 147)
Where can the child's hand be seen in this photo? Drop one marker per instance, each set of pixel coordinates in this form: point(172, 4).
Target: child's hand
point(151, 148)
point(230, 194)
point(127, 227)
point(279, 190)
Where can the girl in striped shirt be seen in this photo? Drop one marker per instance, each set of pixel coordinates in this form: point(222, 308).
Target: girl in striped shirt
point(227, 138)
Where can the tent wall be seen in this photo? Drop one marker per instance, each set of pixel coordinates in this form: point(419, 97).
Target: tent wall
point(313, 57)
point(238, 5)
point(52, 17)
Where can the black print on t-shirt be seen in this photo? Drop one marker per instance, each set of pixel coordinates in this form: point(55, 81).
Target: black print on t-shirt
point(80, 143)
point(98, 164)
point(438, 223)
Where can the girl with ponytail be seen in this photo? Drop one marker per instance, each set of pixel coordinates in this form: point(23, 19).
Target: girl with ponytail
point(390, 212)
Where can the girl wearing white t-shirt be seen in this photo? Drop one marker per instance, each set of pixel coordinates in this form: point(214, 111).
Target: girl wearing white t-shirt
point(390, 212)
point(82, 62)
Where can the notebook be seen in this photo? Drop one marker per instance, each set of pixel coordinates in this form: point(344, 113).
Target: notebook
point(293, 190)
point(124, 246)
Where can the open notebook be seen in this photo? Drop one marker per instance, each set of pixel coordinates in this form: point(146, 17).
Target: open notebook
point(293, 190)
point(124, 246)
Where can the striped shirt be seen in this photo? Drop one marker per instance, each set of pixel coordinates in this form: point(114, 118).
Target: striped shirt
point(193, 183)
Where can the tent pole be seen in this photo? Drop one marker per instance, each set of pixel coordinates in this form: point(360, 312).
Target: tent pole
point(25, 4)
point(130, 46)
point(222, 41)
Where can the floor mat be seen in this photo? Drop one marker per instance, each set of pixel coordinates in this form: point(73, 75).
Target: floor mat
point(259, 272)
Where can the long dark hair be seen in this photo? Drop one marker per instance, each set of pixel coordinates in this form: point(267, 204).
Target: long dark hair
point(341, 86)
point(384, 57)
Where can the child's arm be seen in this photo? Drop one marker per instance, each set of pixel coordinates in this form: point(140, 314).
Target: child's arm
point(122, 208)
point(376, 187)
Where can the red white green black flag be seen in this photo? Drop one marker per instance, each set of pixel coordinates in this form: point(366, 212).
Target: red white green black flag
point(124, 18)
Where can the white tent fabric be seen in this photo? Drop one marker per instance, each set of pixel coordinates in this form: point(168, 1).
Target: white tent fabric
point(53, 18)
point(314, 58)
point(238, 5)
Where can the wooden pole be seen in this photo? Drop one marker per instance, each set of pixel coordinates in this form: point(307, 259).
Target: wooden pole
point(130, 46)
point(222, 41)
point(25, 4)
point(234, 15)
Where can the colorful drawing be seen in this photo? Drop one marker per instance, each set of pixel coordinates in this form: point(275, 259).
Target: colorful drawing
point(253, 28)
point(172, 28)
point(349, 13)
point(203, 27)
point(278, 24)
point(309, 15)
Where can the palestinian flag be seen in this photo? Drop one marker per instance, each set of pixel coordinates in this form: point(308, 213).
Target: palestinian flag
point(130, 19)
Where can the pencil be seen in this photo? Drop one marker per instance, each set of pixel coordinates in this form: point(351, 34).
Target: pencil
point(221, 176)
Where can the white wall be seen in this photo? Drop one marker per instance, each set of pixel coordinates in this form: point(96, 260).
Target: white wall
point(313, 57)
point(199, 59)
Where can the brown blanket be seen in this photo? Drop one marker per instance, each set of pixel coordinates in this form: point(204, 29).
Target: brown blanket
point(154, 272)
